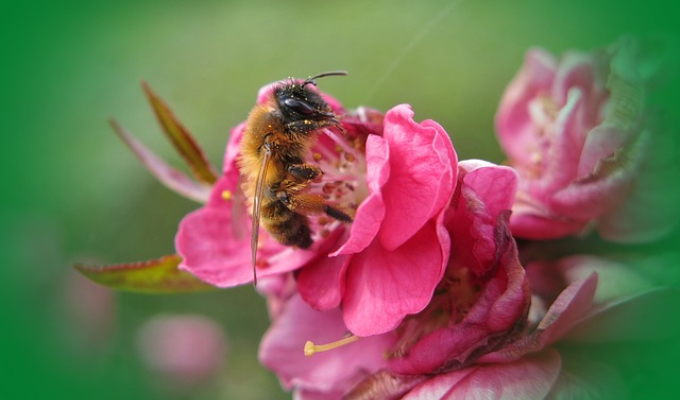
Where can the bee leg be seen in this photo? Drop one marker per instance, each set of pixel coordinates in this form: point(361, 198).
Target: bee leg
point(304, 172)
point(314, 204)
point(337, 214)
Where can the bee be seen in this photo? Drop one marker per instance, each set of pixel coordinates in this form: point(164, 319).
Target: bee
point(276, 143)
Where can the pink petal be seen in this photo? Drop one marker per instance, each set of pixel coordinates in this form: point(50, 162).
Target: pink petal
point(602, 142)
point(494, 185)
point(487, 190)
point(561, 159)
point(170, 177)
point(214, 243)
point(321, 283)
point(497, 316)
point(422, 175)
point(600, 193)
point(210, 250)
point(388, 285)
point(571, 304)
point(513, 123)
point(233, 149)
point(533, 221)
point(531, 377)
point(575, 71)
point(282, 350)
point(303, 394)
point(371, 212)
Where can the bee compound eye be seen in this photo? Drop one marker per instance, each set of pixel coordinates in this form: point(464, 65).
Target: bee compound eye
point(298, 106)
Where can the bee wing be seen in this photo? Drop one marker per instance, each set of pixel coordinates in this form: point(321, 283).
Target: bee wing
point(257, 199)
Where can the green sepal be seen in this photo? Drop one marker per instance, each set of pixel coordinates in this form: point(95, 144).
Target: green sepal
point(160, 276)
point(181, 138)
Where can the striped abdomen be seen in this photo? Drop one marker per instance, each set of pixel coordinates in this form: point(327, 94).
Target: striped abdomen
point(286, 226)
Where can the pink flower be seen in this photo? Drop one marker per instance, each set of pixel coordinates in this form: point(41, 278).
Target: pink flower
point(577, 131)
point(479, 306)
point(397, 248)
point(398, 174)
point(185, 350)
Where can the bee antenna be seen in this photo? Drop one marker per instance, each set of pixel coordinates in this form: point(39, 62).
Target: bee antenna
point(312, 80)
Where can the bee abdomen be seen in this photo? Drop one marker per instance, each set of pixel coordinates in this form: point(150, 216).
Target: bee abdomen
point(287, 227)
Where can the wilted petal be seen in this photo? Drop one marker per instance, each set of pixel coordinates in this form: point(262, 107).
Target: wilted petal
point(571, 305)
point(383, 385)
point(305, 394)
point(495, 319)
point(487, 191)
point(531, 377)
point(482, 302)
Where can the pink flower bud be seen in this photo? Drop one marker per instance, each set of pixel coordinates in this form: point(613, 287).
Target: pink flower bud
point(187, 350)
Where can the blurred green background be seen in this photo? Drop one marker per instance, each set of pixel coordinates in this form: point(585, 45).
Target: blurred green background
point(72, 191)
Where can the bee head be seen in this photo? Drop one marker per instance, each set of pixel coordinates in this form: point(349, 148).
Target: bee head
point(298, 101)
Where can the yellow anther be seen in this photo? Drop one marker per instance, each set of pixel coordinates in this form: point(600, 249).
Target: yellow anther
point(311, 348)
point(227, 195)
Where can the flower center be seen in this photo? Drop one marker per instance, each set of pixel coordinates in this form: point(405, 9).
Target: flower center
point(452, 300)
point(543, 111)
point(342, 158)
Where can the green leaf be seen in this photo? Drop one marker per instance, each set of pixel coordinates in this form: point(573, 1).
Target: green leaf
point(154, 276)
point(180, 137)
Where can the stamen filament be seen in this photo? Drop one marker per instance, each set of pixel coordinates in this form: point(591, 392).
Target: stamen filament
point(311, 348)
point(339, 141)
